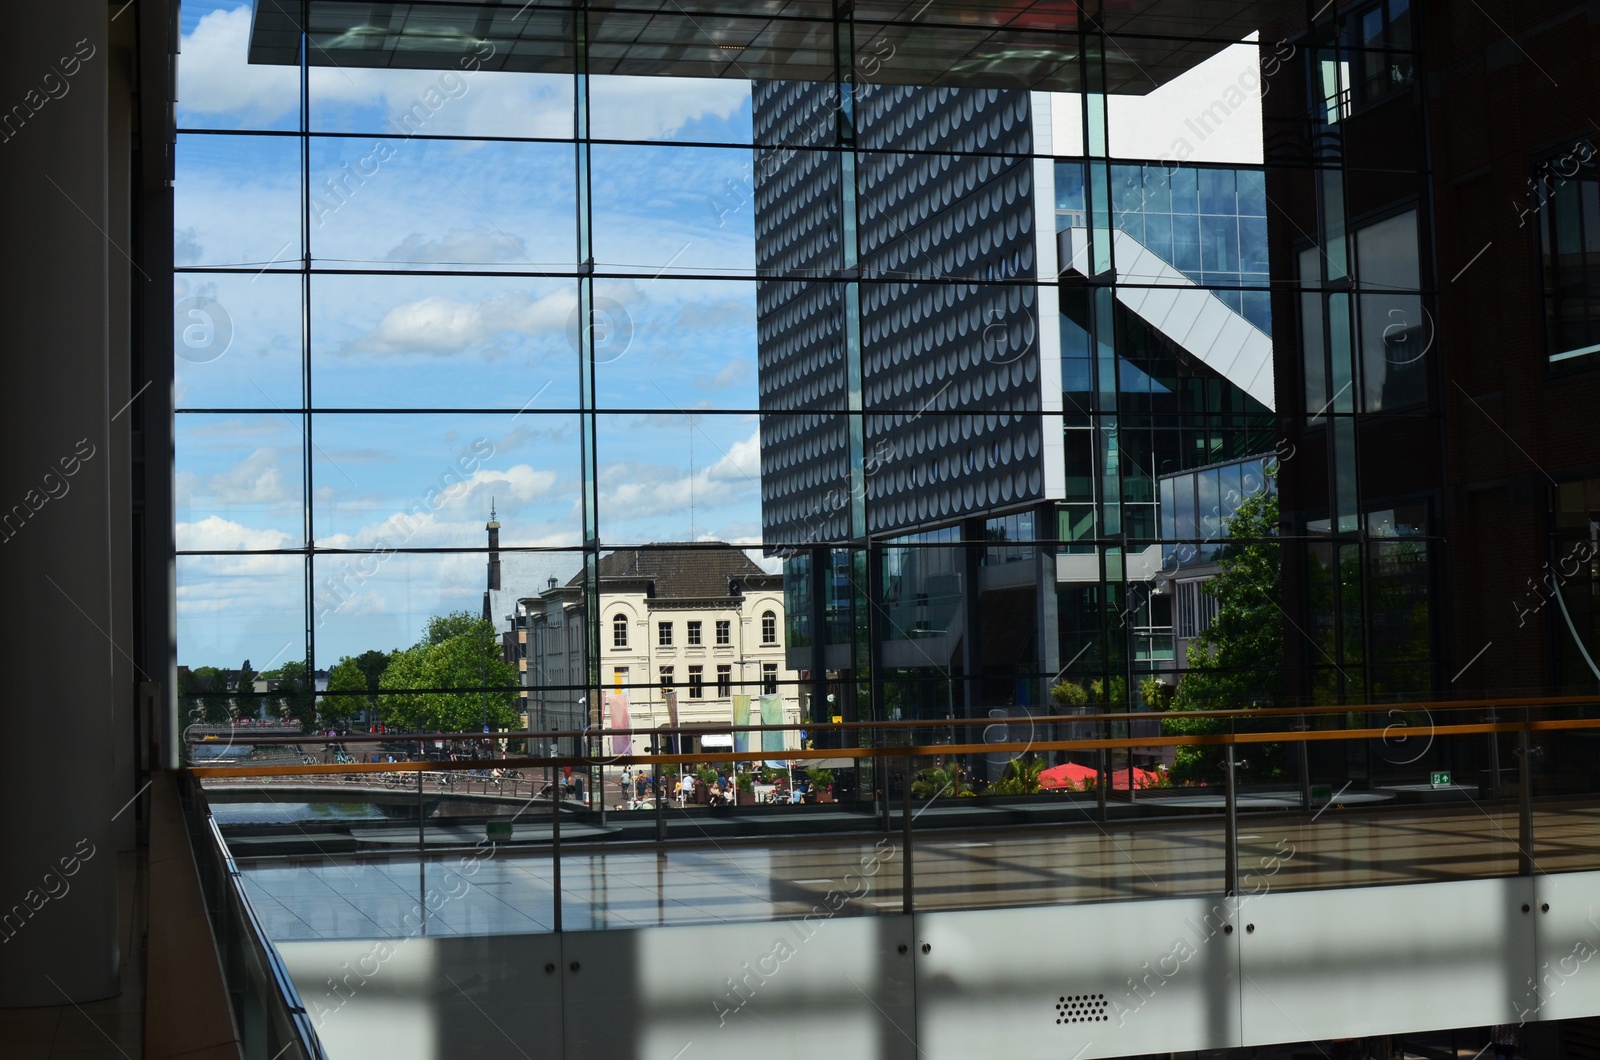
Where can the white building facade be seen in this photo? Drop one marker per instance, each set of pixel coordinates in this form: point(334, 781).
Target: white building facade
point(684, 631)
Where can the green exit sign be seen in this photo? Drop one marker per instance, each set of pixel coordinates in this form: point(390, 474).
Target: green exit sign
point(497, 829)
point(1441, 779)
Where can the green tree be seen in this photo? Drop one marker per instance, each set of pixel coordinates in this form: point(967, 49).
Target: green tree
point(1069, 695)
point(297, 695)
point(447, 627)
point(203, 697)
point(458, 651)
point(346, 676)
point(937, 781)
point(372, 664)
point(1157, 695)
point(1236, 661)
point(1021, 777)
point(245, 704)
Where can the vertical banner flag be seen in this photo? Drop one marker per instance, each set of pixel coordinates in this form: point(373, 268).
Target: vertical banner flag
point(671, 696)
point(741, 716)
point(621, 718)
point(772, 714)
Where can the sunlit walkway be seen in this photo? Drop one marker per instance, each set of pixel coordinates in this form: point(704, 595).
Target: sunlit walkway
point(756, 880)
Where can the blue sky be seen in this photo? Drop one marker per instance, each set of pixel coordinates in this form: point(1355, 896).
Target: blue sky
point(383, 200)
point(684, 347)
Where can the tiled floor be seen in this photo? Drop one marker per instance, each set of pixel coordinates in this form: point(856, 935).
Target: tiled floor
point(110, 1028)
point(758, 880)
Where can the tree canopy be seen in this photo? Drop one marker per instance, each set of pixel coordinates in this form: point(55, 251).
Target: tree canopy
point(457, 651)
point(346, 676)
point(203, 696)
point(245, 704)
point(1236, 661)
point(296, 696)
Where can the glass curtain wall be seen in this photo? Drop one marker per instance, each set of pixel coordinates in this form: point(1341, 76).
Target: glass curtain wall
point(915, 314)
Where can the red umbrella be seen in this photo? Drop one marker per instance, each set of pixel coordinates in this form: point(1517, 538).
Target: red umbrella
point(1074, 775)
point(1063, 776)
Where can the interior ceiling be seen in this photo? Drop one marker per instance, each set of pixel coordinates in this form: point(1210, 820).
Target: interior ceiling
point(975, 43)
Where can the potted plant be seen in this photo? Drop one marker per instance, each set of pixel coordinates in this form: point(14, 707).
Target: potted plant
point(705, 779)
point(821, 790)
point(747, 789)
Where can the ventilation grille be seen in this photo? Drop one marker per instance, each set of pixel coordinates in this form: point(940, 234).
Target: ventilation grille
point(1082, 1008)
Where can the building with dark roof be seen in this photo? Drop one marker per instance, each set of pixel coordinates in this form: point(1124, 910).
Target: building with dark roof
point(683, 627)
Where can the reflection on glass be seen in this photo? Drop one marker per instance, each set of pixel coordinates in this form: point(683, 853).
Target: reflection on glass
point(237, 201)
point(219, 87)
point(221, 613)
point(444, 342)
point(441, 204)
point(237, 482)
point(236, 341)
point(684, 343)
point(667, 207)
point(412, 481)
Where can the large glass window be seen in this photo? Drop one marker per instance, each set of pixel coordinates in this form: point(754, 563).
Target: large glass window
point(1567, 197)
point(1394, 328)
point(914, 366)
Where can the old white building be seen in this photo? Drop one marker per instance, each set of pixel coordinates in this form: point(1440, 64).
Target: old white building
point(700, 620)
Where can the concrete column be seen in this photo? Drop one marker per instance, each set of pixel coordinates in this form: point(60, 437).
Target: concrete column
point(58, 898)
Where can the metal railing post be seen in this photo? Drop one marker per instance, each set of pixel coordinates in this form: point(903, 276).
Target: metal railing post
point(1305, 766)
point(555, 856)
point(1525, 861)
point(1231, 833)
point(1102, 781)
point(907, 896)
point(422, 857)
point(661, 801)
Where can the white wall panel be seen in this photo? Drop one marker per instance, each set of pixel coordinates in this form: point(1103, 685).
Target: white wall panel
point(790, 990)
point(429, 998)
point(1380, 960)
point(1078, 981)
point(1566, 982)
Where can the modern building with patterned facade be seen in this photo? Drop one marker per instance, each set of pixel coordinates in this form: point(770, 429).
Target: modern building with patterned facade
point(952, 289)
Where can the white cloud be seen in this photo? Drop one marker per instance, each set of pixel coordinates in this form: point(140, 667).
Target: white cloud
point(732, 374)
point(257, 479)
point(215, 79)
point(639, 491)
point(214, 533)
point(742, 461)
point(651, 108)
point(444, 326)
point(520, 484)
point(460, 245)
